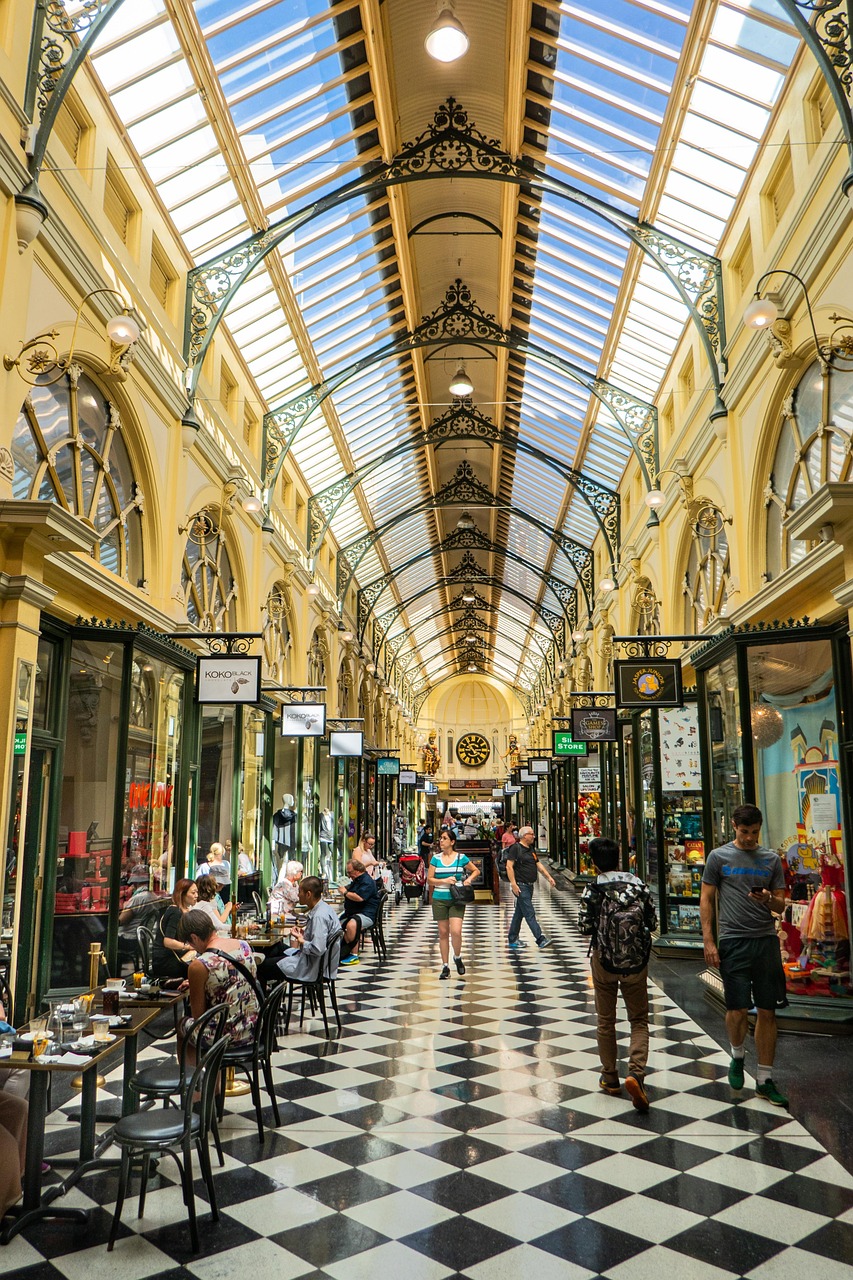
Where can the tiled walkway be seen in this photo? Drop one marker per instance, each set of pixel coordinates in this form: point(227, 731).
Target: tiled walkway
point(456, 1129)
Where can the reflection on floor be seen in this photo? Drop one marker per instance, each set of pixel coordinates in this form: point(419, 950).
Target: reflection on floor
point(457, 1129)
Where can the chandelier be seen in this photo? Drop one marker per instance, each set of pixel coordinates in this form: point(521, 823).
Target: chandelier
point(767, 725)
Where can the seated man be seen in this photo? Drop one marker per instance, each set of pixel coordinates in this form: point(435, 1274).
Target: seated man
point(310, 940)
point(361, 902)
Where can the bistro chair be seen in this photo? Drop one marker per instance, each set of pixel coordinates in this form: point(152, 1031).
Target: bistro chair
point(256, 1058)
point(173, 1133)
point(260, 909)
point(315, 989)
point(377, 929)
point(144, 947)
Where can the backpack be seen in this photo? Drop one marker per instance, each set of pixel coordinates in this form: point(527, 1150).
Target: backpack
point(622, 936)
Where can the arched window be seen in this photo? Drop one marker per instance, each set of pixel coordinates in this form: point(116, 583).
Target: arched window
point(814, 447)
point(344, 688)
point(706, 581)
point(67, 448)
point(206, 577)
point(317, 660)
point(276, 631)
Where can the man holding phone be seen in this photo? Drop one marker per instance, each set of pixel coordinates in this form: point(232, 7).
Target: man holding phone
point(744, 885)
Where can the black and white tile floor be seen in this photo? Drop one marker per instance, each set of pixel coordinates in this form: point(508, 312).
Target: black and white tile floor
point(457, 1129)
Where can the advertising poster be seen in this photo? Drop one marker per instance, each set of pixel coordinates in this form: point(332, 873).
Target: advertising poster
point(679, 749)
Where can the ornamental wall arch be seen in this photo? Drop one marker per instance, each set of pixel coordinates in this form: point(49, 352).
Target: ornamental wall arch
point(346, 687)
point(690, 553)
point(277, 628)
point(109, 479)
point(212, 568)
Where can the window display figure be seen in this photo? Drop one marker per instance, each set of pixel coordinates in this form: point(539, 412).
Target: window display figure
point(326, 837)
point(430, 756)
point(283, 829)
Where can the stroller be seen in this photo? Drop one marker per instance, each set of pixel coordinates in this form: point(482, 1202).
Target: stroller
point(413, 876)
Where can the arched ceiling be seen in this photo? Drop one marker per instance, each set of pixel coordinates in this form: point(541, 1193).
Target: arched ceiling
point(245, 111)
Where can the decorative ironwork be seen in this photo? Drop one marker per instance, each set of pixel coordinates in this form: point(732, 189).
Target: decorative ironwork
point(452, 146)
point(592, 699)
point(60, 44)
point(649, 646)
point(777, 626)
point(232, 642)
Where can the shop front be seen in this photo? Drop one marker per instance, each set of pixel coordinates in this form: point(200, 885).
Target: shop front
point(775, 708)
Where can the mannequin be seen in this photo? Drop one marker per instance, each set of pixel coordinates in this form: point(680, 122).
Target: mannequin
point(284, 828)
point(326, 832)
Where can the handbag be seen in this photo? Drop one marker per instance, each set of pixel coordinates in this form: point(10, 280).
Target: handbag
point(461, 894)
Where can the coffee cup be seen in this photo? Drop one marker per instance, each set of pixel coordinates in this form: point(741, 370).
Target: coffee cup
point(114, 984)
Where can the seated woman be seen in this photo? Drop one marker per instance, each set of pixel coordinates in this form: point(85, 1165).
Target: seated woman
point(210, 902)
point(215, 979)
point(218, 866)
point(284, 894)
point(168, 950)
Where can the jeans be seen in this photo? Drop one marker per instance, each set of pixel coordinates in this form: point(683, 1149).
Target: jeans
point(524, 911)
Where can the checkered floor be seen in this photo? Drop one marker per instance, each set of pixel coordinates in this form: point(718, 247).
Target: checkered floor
point(456, 1129)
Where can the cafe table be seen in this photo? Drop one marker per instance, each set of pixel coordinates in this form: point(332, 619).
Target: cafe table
point(38, 1203)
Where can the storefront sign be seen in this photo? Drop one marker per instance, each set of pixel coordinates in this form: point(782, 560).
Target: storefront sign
point(648, 683)
point(528, 779)
point(420, 782)
point(228, 678)
point(589, 781)
point(594, 724)
point(388, 767)
point(565, 745)
point(142, 794)
point(510, 789)
point(346, 742)
point(497, 793)
point(408, 778)
point(472, 784)
point(20, 748)
point(303, 720)
point(540, 766)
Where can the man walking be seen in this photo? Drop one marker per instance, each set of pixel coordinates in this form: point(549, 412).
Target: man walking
point(522, 868)
point(617, 912)
point(744, 884)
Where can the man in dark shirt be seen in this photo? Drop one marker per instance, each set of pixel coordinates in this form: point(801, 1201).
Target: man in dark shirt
point(361, 902)
point(522, 868)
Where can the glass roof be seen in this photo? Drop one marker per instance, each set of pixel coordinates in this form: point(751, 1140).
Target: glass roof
point(249, 110)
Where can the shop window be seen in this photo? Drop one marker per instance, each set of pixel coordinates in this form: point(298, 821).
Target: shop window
point(813, 448)
point(68, 448)
point(277, 638)
point(706, 581)
point(317, 661)
point(206, 577)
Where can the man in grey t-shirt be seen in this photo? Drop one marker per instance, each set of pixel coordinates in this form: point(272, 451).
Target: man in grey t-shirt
point(744, 884)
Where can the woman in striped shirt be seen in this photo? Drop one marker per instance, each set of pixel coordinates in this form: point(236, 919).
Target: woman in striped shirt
point(445, 866)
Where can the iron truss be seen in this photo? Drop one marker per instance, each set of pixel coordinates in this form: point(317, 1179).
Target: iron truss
point(453, 147)
point(463, 422)
point(465, 490)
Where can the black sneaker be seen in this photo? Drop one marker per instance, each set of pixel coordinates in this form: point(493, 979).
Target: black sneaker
point(460, 968)
point(639, 1097)
point(445, 972)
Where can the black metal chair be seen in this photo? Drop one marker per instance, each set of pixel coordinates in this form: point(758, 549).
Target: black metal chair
point(174, 1133)
point(314, 989)
point(256, 1057)
point(377, 929)
point(144, 947)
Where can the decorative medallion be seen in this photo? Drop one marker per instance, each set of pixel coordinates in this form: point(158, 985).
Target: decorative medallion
point(472, 750)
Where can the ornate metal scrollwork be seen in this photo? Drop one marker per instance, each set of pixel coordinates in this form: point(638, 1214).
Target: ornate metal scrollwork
point(638, 420)
point(234, 642)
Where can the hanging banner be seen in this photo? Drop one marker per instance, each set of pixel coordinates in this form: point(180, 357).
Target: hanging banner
point(594, 724)
point(648, 683)
point(565, 745)
point(303, 720)
point(228, 678)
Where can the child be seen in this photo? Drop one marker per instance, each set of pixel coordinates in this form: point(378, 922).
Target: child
point(617, 912)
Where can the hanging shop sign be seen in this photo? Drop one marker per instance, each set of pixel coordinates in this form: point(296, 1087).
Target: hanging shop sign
point(346, 742)
point(510, 789)
point(228, 678)
point(565, 745)
point(420, 782)
point(528, 779)
point(497, 793)
point(388, 767)
point(589, 781)
point(648, 683)
point(408, 778)
point(594, 724)
point(539, 766)
point(20, 747)
point(303, 720)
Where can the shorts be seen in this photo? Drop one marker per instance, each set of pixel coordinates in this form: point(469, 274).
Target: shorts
point(752, 973)
point(447, 910)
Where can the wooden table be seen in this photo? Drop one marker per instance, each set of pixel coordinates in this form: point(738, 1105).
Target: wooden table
point(36, 1203)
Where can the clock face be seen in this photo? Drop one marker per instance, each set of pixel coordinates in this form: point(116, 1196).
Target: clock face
point(473, 749)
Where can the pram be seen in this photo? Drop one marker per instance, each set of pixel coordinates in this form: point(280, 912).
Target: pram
point(412, 876)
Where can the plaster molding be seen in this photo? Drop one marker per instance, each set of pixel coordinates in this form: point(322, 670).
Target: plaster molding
point(48, 524)
point(820, 566)
point(118, 597)
point(26, 589)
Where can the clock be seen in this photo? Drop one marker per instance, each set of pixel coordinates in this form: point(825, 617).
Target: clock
point(473, 749)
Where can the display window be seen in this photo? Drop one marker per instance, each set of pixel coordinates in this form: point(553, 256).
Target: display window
point(683, 823)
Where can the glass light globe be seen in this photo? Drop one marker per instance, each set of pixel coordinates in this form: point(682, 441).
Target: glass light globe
point(122, 330)
point(312, 589)
point(447, 39)
point(655, 498)
point(607, 583)
point(252, 504)
point(759, 313)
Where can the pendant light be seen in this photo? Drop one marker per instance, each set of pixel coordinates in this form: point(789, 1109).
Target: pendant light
point(447, 39)
point(460, 384)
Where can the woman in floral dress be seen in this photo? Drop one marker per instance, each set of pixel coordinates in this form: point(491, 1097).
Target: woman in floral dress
point(214, 979)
